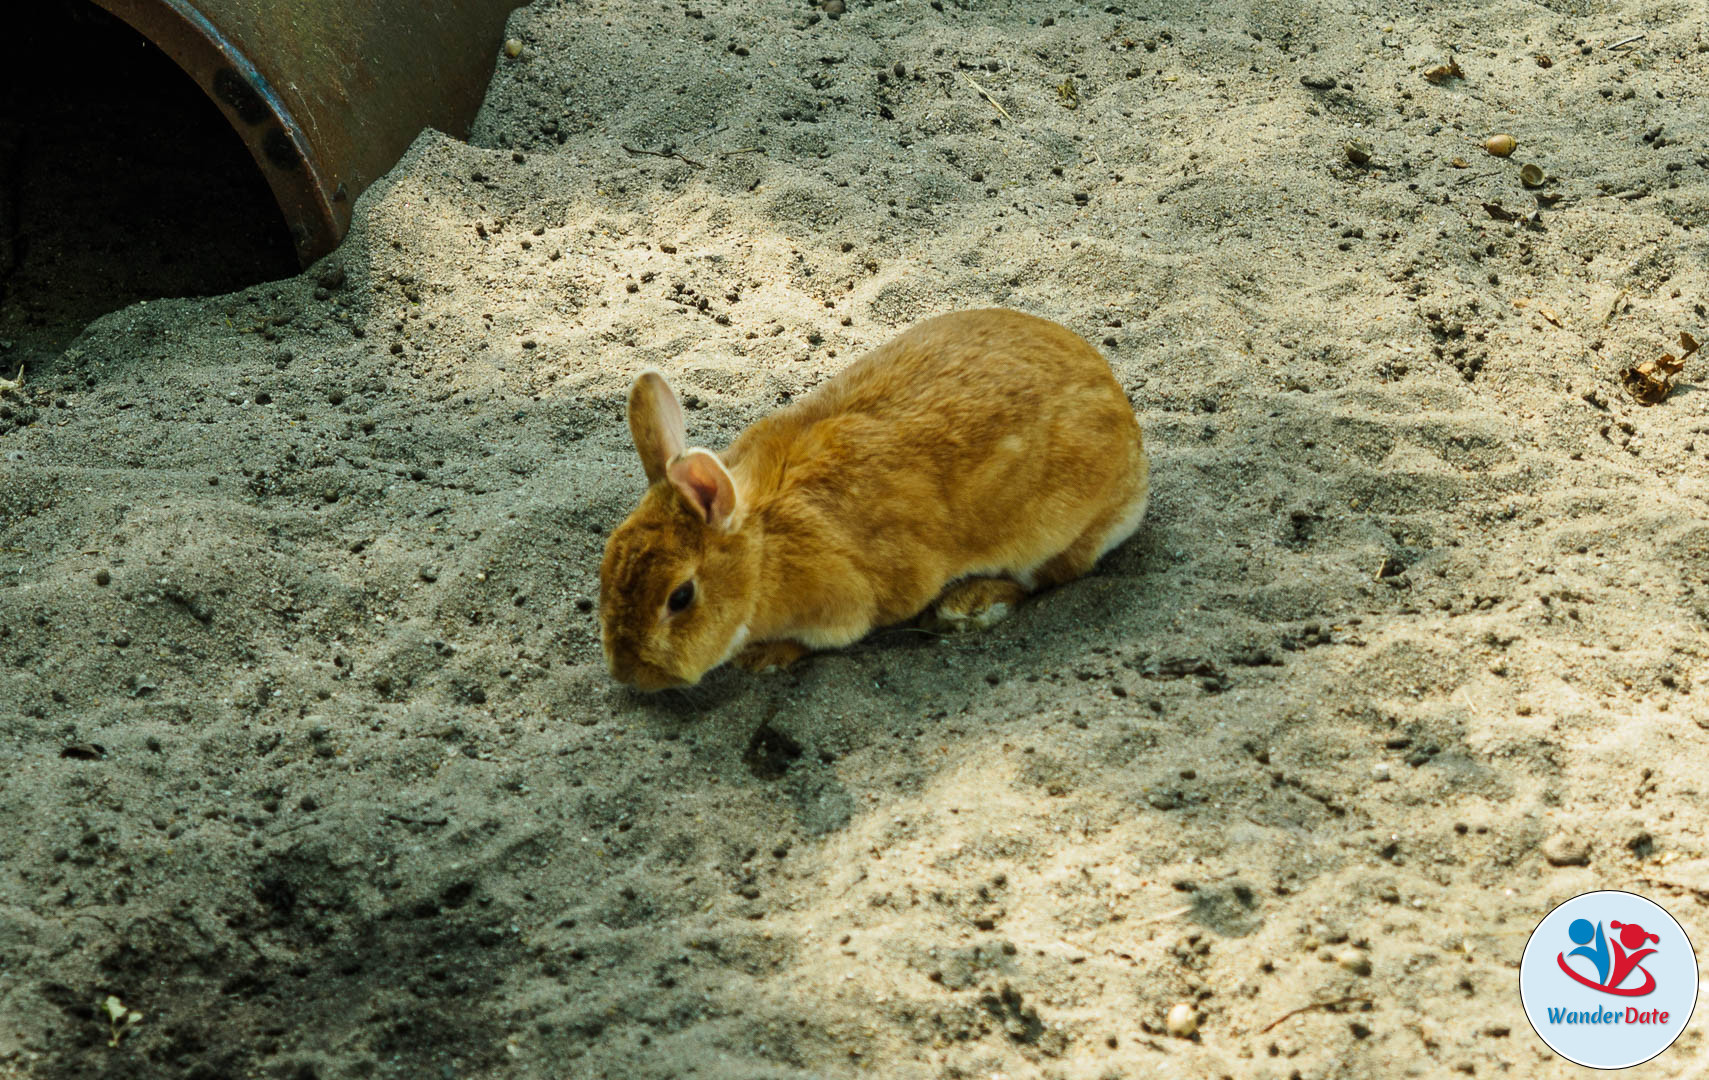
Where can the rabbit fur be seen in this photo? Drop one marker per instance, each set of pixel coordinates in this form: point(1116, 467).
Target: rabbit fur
point(973, 459)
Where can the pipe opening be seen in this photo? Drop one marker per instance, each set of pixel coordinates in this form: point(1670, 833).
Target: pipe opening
point(119, 181)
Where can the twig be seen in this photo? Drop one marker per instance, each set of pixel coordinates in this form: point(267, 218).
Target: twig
point(663, 154)
point(986, 94)
point(915, 630)
point(1626, 41)
point(1471, 705)
point(433, 822)
point(1614, 308)
point(1702, 895)
point(97, 918)
point(1314, 1006)
point(742, 150)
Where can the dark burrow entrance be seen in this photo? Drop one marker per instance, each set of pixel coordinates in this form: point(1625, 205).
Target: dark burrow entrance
point(119, 181)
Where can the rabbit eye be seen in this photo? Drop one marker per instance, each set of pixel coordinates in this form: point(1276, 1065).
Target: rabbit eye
point(682, 597)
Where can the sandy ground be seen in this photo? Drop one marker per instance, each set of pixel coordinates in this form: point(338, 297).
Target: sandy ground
point(308, 755)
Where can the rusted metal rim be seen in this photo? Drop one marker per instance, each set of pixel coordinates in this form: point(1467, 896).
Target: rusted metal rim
point(328, 96)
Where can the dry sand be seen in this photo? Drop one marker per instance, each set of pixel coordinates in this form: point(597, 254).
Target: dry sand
point(308, 754)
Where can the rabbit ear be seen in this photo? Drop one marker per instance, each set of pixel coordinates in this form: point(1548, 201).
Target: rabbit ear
point(655, 423)
point(706, 485)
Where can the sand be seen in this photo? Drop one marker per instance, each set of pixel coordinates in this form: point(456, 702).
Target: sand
point(308, 751)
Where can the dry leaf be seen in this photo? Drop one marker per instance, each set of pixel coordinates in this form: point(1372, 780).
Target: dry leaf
point(1496, 211)
point(1443, 72)
point(1651, 381)
point(1550, 315)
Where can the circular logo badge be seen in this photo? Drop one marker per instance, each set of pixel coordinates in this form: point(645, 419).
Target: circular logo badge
point(1608, 980)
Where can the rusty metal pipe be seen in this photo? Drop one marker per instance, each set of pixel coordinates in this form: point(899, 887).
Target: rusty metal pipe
point(328, 95)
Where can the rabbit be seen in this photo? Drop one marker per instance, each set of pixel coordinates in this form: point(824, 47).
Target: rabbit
point(975, 458)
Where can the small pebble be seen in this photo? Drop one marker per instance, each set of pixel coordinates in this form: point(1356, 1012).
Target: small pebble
point(1501, 145)
point(1183, 1021)
point(1358, 152)
point(1318, 82)
point(835, 8)
point(1354, 960)
point(103, 577)
point(513, 48)
point(1380, 772)
point(1563, 849)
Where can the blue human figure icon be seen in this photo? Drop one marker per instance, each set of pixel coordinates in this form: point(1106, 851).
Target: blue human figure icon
point(1582, 932)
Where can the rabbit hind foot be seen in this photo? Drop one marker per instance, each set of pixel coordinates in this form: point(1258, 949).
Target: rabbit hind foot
point(974, 604)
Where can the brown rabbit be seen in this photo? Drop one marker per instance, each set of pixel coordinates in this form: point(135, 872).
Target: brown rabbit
point(973, 459)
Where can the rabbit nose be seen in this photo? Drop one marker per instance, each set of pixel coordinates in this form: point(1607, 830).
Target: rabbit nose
point(651, 679)
point(632, 671)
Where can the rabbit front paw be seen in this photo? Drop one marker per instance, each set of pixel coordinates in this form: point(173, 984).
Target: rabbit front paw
point(770, 656)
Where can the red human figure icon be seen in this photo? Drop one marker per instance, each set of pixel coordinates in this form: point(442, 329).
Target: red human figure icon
point(1632, 936)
